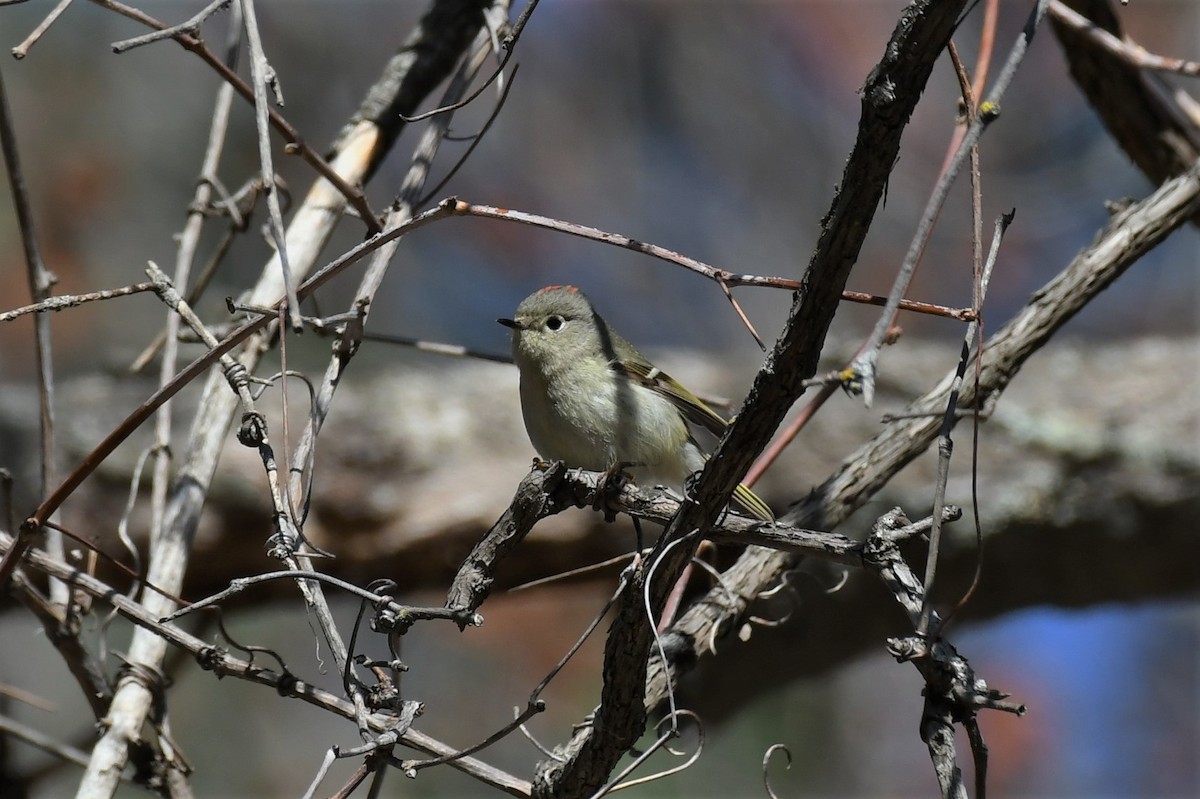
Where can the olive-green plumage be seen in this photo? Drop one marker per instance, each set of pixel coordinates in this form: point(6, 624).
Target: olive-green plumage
point(590, 399)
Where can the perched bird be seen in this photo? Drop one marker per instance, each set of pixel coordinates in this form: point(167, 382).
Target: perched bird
point(590, 399)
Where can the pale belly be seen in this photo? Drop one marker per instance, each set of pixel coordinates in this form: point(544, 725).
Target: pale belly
point(594, 430)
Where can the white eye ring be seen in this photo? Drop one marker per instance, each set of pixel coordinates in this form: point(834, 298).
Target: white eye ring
point(555, 322)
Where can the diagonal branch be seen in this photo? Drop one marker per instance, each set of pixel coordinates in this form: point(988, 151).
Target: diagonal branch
point(889, 97)
point(1128, 236)
point(1136, 107)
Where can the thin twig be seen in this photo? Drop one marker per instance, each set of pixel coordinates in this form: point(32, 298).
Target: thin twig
point(22, 49)
point(462, 208)
point(437, 347)
point(987, 45)
point(189, 242)
point(723, 277)
point(978, 291)
point(234, 371)
point(237, 585)
point(197, 288)
point(510, 45)
point(262, 74)
point(63, 301)
point(475, 140)
point(41, 282)
point(961, 314)
point(400, 216)
point(866, 364)
point(945, 443)
point(290, 134)
point(191, 26)
point(411, 767)
point(587, 633)
point(42, 741)
point(352, 330)
point(1134, 53)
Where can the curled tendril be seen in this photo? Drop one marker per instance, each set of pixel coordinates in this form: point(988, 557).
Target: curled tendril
point(794, 599)
point(720, 578)
point(661, 743)
point(841, 583)
point(784, 585)
point(250, 650)
point(662, 652)
point(715, 631)
point(264, 383)
point(127, 542)
point(771, 750)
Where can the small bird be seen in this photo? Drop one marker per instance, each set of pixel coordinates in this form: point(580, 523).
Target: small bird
point(590, 399)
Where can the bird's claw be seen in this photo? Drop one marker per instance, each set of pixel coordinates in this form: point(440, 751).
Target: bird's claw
point(612, 483)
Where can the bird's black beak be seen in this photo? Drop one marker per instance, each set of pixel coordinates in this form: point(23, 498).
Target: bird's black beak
point(508, 323)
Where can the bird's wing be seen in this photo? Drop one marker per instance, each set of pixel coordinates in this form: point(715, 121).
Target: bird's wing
point(752, 503)
point(692, 407)
point(698, 413)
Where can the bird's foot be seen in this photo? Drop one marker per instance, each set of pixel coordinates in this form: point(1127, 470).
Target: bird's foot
point(612, 482)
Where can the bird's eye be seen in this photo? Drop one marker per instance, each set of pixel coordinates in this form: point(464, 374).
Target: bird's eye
point(555, 322)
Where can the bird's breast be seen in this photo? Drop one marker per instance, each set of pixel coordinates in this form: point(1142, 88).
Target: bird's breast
point(593, 424)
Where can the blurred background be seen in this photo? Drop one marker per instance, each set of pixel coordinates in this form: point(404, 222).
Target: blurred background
point(715, 129)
